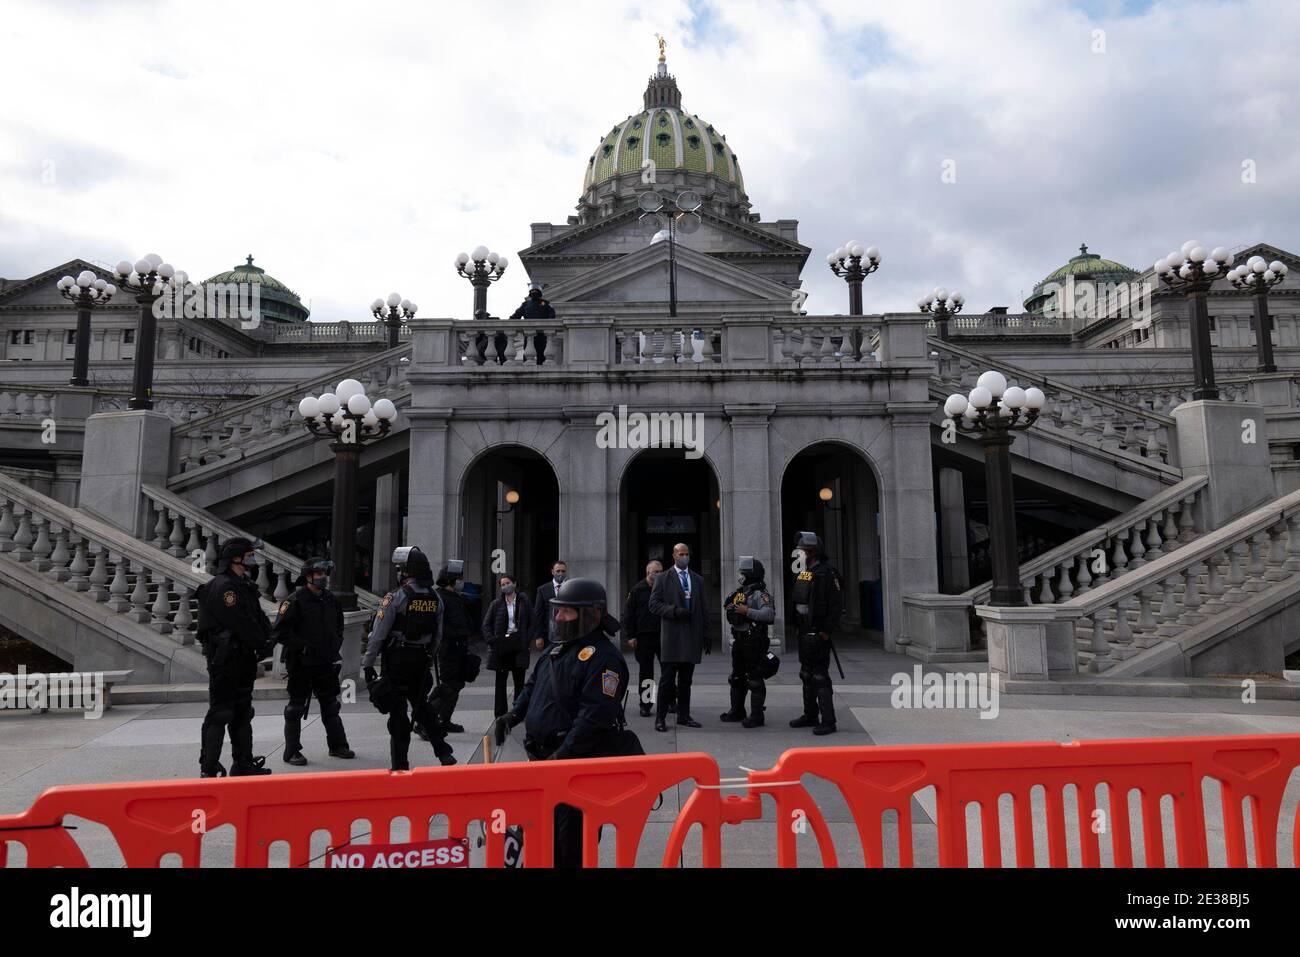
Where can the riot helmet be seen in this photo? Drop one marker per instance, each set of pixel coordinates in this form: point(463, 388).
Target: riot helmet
point(751, 570)
point(412, 563)
point(316, 571)
point(451, 572)
point(586, 596)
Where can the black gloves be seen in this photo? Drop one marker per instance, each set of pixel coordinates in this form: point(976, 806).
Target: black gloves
point(371, 676)
point(514, 718)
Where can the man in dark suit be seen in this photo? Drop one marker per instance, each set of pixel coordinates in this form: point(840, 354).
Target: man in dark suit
point(542, 604)
point(641, 627)
point(677, 597)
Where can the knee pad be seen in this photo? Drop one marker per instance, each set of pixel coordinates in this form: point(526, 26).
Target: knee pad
point(294, 712)
point(806, 676)
point(219, 715)
point(756, 684)
point(330, 707)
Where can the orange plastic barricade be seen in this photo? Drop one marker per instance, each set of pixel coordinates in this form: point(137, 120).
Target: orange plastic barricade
point(873, 780)
point(153, 819)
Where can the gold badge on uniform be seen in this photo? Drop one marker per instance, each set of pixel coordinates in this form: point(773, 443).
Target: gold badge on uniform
point(229, 599)
point(586, 653)
point(284, 606)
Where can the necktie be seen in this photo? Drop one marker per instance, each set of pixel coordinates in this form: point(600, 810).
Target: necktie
point(686, 587)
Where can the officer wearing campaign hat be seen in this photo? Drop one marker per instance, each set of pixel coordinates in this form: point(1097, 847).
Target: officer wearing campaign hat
point(235, 636)
point(572, 704)
point(309, 627)
point(403, 635)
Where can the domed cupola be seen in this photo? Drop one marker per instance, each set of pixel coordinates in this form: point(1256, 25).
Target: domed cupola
point(1085, 267)
point(279, 303)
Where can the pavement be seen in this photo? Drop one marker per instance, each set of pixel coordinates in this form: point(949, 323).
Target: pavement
point(158, 741)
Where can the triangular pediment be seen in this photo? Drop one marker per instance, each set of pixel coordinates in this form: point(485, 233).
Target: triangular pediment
point(627, 231)
point(41, 289)
point(642, 276)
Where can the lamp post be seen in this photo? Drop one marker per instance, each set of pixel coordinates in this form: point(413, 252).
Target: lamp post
point(347, 418)
point(1257, 277)
point(148, 278)
point(847, 262)
point(1192, 270)
point(992, 413)
point(943, 307)
point(86, 292)
point(682, 213)
point(482, 267)
point(398, 311)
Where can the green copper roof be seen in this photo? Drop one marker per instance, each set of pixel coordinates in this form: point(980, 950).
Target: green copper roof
point(1089, 264)
point(247, 272)
point(672, 139)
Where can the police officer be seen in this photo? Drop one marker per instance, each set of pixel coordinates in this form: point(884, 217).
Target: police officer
point(749, 611)
point(403, 638)
point(818, 601)
point(572, 705)
point(235, 636)
point(641, 627)
point(454, 662)
point(535, 307)
point(309, 627)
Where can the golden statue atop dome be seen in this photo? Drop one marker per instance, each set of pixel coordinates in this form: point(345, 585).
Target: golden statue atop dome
point(662, 45)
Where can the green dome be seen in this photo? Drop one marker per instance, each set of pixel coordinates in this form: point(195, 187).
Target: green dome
point(672, 138)
point(279, 302)
point(1086, 266)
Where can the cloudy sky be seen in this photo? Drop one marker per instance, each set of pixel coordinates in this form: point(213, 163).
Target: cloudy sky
point(355, 148)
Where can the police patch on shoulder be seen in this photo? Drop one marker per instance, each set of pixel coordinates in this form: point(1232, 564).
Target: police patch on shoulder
point(586, 653)
point(284, 606)
point(388, 600)
point(229, 599)
point(805, 576)
point(609, 682)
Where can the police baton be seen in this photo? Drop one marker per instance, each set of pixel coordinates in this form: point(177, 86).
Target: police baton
point(839, 667)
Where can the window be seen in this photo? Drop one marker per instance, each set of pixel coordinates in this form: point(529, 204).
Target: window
point(128, 336)
point(664, 139)
point(632, 141)
point(694, 141)
point(72, 337)
point(16, 337)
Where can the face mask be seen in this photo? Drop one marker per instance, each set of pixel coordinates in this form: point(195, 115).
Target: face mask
point(250, 561)
point(319, 581)
point(682, 562)
point(507, 589)
point(560, 577)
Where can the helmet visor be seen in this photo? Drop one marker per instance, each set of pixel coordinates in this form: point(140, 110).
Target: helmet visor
point(574, 621)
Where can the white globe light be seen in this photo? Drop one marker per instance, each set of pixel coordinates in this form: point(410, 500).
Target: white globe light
point(1210, 267)
point(328, 404)
point(385, 409)
point(85, 279)
point(1277, 267)
point(1188, 246)
point(394, 300)
point(1220, 254)
point(133, 279)
point(840, 253)
point(830, 259)
point(1229, 260)
point(928, 298)
point(955, 406)
point(462, 258)
point(1186, 271)
point(414, 309)
point(493, 258)
point(1034, 398)
point(124, 268)
point(65, 282)
point(921, 304)
point(980, 397)
point(406, 304)
point(154, 260)
point(143, 267)
point(377, 305)
point(309, 407)
point(347, 389)
point(1161, 267)
point(1197, 254)
point(110, 289)
point(994, 381)
point(940, 293)
point(1257, 263)
point(1267, 275)
point(873, 254)
point(101, 285)
point(167, 270)
point(369, 420)
point(359, 404)
point(479, 254)
point(1014, 397)
point(856, 250)
point(958, 298)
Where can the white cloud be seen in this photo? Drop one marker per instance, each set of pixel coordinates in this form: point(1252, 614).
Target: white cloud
point(354, 149)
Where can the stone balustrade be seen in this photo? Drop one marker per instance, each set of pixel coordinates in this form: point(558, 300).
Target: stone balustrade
point(30, 405)
point(1164, 599)
point(1003, 324)
point(342, 331)
point(1084, 415)
point(188, 532)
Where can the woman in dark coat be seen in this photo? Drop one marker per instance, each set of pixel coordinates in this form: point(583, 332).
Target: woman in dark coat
point(506, 627)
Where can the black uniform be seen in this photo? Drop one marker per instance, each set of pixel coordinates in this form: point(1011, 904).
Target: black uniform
point(572, 707)
point(749, 650)
point(818, 602)
point(535, 307)
point(452, 655)
point(235, 636)
point(640, 623)
point(405, 633)
point(310, 627)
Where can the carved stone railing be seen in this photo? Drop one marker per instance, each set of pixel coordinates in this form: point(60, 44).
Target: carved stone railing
point(1100, 421)
point(1002, 324)
point(506, 344)
point(192, 534)
point(149, 586)
point(1165, 397)
point(1164, 599)
point(32, 405)
point(270, 418)
point(326, 332)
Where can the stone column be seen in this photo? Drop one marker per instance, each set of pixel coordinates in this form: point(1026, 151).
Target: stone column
point(431, 520)
point(122, 451)
point(911, 556)
point(751, 513)
point(388, 527)
point(1228, 443)
point(588, 518)
point(952, 531)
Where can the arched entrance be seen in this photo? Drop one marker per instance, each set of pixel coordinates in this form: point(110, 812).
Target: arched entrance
point(510, 520)
point(830, 489)
point(667, 498)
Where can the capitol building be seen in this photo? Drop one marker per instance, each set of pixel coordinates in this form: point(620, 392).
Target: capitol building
point(1150, 539)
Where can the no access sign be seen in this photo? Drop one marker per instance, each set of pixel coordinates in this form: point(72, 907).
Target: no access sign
point(446, 852)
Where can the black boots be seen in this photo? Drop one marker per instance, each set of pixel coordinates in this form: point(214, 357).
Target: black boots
point(239, 769)
point(803, 721)
point(295, 758)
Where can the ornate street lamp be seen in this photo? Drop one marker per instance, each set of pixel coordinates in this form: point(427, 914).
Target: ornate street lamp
point(1257, 277)
point(148, 278)
point(86, 292)
point(482, 267)
point(847, 262)
point(943, 307)
point(347, 418)
point(992, 413)
point(683, 216)
point(1193, 270)
point(398, 311)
